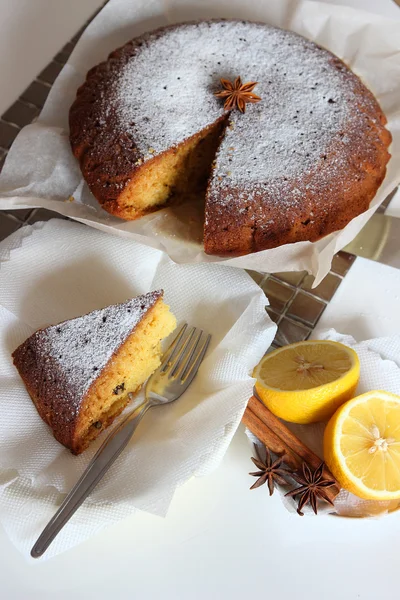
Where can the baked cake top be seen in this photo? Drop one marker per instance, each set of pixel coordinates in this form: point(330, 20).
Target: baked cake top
point(164, 93)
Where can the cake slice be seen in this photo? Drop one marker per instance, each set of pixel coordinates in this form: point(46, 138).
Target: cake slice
point(79, 373)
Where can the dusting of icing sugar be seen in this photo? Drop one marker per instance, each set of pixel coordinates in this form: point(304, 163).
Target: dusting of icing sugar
point(72, 354)
point(164, 94)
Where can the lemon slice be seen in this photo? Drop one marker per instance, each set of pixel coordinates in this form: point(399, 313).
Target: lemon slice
point(306, 382)
point(362, 446)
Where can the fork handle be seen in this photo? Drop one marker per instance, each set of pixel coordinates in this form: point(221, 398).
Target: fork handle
point(106, 455)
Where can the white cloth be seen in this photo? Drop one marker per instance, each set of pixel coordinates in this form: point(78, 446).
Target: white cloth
point(368, 43)
point(58, 270)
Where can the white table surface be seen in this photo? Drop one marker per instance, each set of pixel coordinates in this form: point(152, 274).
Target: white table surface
point(366, 304)
point(32, 32)
point(219, 540)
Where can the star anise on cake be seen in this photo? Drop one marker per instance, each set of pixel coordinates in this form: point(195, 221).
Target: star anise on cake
point(237, 94)
point(270, 471)
point(312, 487)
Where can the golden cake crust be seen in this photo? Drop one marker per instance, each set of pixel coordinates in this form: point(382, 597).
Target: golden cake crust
point(317, 158)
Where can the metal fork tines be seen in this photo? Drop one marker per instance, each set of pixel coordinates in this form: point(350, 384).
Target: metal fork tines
point(178, 368)
point(185, 354)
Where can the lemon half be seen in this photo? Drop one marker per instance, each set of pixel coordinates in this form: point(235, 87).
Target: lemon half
point(306, 382)
point(362, 446)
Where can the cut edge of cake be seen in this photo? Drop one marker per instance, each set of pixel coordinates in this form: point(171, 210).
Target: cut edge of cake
point(180, 174)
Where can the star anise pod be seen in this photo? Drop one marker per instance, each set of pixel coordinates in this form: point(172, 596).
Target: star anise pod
point(237, 94)
point(270, 471)
point(312, 488)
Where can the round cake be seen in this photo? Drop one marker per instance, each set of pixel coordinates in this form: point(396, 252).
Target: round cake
point(149, 131)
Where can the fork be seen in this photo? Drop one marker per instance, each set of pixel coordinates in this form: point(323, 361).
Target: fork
point(179, 366)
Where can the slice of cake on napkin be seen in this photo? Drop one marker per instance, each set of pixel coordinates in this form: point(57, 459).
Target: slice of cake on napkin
point(79, 373)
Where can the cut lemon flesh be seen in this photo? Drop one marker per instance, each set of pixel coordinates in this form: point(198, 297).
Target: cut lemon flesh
point(362, 446)
point(306, 382)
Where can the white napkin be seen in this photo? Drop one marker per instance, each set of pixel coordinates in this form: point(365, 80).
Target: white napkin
point(59, 270)
point(41, 171)
point(379, 370)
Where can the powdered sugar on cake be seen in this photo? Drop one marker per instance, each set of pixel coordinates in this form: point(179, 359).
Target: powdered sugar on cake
point(75, 352)
point(165, 94)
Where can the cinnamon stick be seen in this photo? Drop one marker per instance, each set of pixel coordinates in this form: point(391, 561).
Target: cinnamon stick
point(279, 439)
point(270, 439)
point(288, 438)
